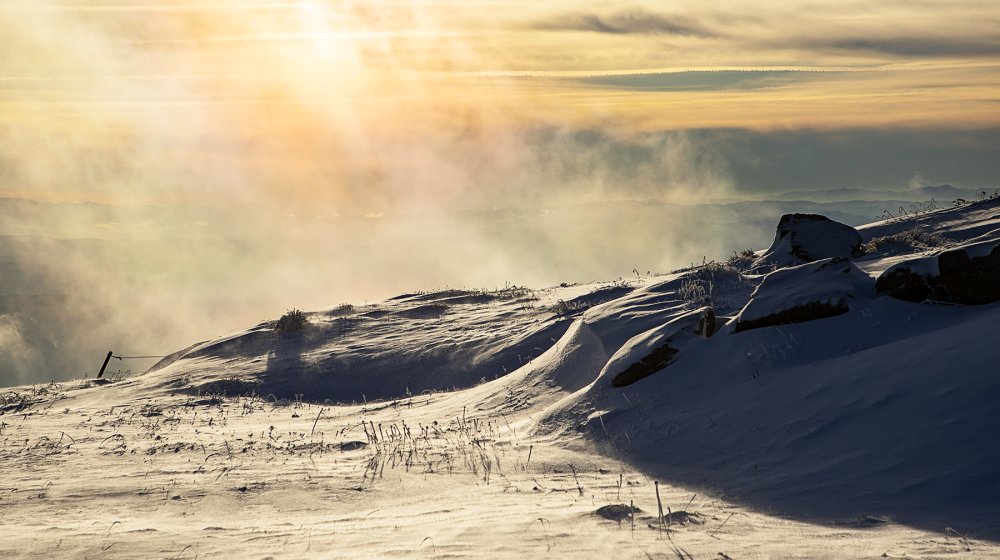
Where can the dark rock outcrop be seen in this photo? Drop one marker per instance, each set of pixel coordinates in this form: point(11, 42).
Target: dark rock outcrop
point(617, 512)
point(649, 352)
point(967, 275)
point(707, 324)
point(804, 293)
point(796, 314)
point(652, 363)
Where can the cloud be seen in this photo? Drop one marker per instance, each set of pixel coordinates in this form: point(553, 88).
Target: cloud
point(912, 46)
point(20, 357)
point(454, 123)
point(627, 22)
point(717, 80)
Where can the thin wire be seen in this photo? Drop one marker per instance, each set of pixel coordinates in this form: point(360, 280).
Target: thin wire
point(137, 357)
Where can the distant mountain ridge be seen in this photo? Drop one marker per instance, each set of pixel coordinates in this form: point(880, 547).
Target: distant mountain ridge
point(943, 194)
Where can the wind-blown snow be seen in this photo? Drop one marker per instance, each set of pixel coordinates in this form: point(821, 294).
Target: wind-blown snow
point(829, 282)
point(501, 431)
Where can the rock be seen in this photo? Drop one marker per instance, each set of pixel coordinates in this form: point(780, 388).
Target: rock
point(653, 362)
point(795, 314)
point(352, 445)
point(804, 293)
point(649, 352)
point(967, 275)
point(802, 238)
point(617, 512)
point(707, 324)
point(682, 518)
point(866, 521)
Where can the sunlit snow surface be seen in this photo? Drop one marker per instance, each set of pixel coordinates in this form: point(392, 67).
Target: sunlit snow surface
point(458, 424)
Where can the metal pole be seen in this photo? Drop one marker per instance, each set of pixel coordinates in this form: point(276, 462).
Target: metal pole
point(103, 367)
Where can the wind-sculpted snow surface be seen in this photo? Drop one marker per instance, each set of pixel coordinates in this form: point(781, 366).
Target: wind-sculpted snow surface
point(803, 293)
point(878, 406)
point(502, 424)
point(437, 341)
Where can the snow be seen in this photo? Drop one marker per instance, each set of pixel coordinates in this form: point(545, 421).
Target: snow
point(808, 237)
point(958, 223)
point(984, 248)
point(434, 341)
point(924, 266)
point(673, 334)
point(489, 426)
point(832, 282)
point(981, 246)
point(962, 273)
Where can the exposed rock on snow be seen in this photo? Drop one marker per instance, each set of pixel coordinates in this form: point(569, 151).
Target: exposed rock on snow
point(804, 293)
point(353, 445)
point(649, 352)
point(866, 521)
point(802, 238)
point(682, 518)
point(968, 275)
point(707, 324)
point(656, 360)
point(617, 512)
point(801, 313)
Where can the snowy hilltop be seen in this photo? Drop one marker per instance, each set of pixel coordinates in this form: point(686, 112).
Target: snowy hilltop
point(842, 381)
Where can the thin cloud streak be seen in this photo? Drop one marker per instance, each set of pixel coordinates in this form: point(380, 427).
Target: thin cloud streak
point(228, 6)
point(625, 22)
point(294, 37)
point(914, 46)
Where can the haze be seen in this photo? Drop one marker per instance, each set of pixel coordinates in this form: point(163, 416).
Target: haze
point(174, 171)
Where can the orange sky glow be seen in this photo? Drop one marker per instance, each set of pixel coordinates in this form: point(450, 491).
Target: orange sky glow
point(317, 101)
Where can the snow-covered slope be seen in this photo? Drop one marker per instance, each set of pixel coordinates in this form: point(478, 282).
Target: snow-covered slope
point(799, 390)
point(435, 341)
point(873, 404)
point(878, 405)
point(878, 400)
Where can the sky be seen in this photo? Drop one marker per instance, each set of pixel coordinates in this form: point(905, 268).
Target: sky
point(173, 171)
point(403, 106)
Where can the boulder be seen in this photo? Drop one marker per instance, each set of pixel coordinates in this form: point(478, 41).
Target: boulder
point(968, 275)
point(651, 351)
point(804, 293)
point(802, 238)
point(659, 358)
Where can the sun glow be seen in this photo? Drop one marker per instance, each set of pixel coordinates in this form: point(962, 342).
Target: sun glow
point(360, 104)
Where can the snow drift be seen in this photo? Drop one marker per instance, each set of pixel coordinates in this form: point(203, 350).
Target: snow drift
point(805, 389)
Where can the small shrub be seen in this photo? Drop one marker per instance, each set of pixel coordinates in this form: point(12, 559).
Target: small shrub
point(983, 195)
point(915, 209)
point(741, 261)
point(514, 292)
point(694, 291)
point(601, 294)
point(342, 309)
point(704, 283)
point(293, 320)
point(910, 240)
point(563, 307)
